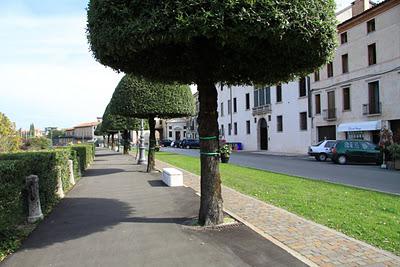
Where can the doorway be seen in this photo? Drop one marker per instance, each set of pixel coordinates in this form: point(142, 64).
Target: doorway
point(177, 135)
point(263, 134)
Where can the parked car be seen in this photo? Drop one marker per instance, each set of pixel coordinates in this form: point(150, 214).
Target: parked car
point(321, 150)
point(166, 142)
point(190, 143)
point(177, 143)
point(362, 151)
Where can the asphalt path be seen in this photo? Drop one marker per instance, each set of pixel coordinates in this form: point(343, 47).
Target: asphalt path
point(364, 176)
point(118, 215)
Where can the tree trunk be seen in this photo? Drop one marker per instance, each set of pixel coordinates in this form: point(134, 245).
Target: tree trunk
point(125, 138)
point(211, 211)
point(108, 141)
point(152, 145)
point(112, 142)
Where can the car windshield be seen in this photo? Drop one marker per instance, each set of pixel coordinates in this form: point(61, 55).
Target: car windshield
point(318, 144)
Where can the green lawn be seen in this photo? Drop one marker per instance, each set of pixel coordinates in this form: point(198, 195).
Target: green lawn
point(365, 215)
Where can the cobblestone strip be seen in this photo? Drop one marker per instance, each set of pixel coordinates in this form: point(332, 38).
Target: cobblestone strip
point(317, 243)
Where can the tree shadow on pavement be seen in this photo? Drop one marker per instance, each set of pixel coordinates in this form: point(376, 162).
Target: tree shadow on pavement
point(102, 172)
point(77, 217)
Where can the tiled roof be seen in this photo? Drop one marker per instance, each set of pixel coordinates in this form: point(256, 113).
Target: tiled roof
point(87, 124)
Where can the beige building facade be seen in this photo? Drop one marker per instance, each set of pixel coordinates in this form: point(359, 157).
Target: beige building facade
point(359, 92)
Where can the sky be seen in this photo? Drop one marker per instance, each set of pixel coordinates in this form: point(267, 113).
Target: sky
point(47, 73)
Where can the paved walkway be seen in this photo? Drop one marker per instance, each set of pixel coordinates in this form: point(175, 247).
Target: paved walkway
point(117, 215)
point(315, 244)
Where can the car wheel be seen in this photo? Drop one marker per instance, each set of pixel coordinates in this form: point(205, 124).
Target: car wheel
point(322, 157)
point(342, 159)
point(187, 147)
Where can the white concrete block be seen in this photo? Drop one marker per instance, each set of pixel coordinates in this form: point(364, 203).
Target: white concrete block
point(172, 177)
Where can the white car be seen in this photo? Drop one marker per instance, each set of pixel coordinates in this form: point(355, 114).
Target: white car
point(321, 150)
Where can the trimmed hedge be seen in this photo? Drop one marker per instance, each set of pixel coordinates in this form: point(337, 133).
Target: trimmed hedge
point(14, 167)
point(85, 153)
point(43, 164)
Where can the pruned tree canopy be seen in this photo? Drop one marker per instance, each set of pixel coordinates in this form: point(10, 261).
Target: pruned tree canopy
point(113, 123)
point(232, 41)
point(140, 98)
point(99, 131)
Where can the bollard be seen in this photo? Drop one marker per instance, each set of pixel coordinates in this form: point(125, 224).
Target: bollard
point(35, 211)
point(71, 172)
point(59, 190)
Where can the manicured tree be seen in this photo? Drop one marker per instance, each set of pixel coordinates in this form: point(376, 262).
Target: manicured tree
point(140, 98)
point(99, 132)
point(115, 123)
point(206, 42)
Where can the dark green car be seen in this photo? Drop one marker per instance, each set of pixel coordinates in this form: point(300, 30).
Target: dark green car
point(346, 151)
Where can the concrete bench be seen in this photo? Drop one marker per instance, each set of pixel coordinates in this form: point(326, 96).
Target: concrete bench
point(172, 177)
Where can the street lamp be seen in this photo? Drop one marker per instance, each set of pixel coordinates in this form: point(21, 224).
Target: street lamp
point(142, 157)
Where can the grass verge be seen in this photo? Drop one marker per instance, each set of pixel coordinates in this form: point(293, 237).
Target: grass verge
point(365, 215)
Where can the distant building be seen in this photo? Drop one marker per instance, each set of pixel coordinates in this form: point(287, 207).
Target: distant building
point(273, 118)
point(85, 131)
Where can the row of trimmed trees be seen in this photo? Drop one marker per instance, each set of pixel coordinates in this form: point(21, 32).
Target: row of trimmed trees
point(207, 42)
point(136, 98)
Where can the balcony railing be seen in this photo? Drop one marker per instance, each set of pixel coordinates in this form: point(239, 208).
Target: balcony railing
point(262, 110)
point(372, 109)
point(329, 114)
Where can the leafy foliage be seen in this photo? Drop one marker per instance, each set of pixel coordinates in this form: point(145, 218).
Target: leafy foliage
point(37, 143)
point(113, 123)
point(56, 133)
point(85, 154)
point(9, 138)
point(232, 41)
point(137, 97)
point(394, 151)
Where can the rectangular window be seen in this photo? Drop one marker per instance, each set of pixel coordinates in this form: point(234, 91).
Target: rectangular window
point(267, 95)
point(262, 97)
point(371, 26)
point(170, 134)
point(222, 109)
point(302, 87)
point(279, 123)
point(256, 98)
point(303, 121)
point(345, 63)
point(229, 129)
point(247, 101)
point(372, 54)
point(346, 98)
point(343, 38)
point(235, 105)
point(318, 104)
point(229, 107)
point(235, 128)
point(247, 127)
point(316, 76)
point(373, 97)
point(279, 93)
point(329, 69)
point(222, 130)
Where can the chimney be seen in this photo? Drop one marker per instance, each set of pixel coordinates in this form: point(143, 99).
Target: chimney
point(359, 6)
